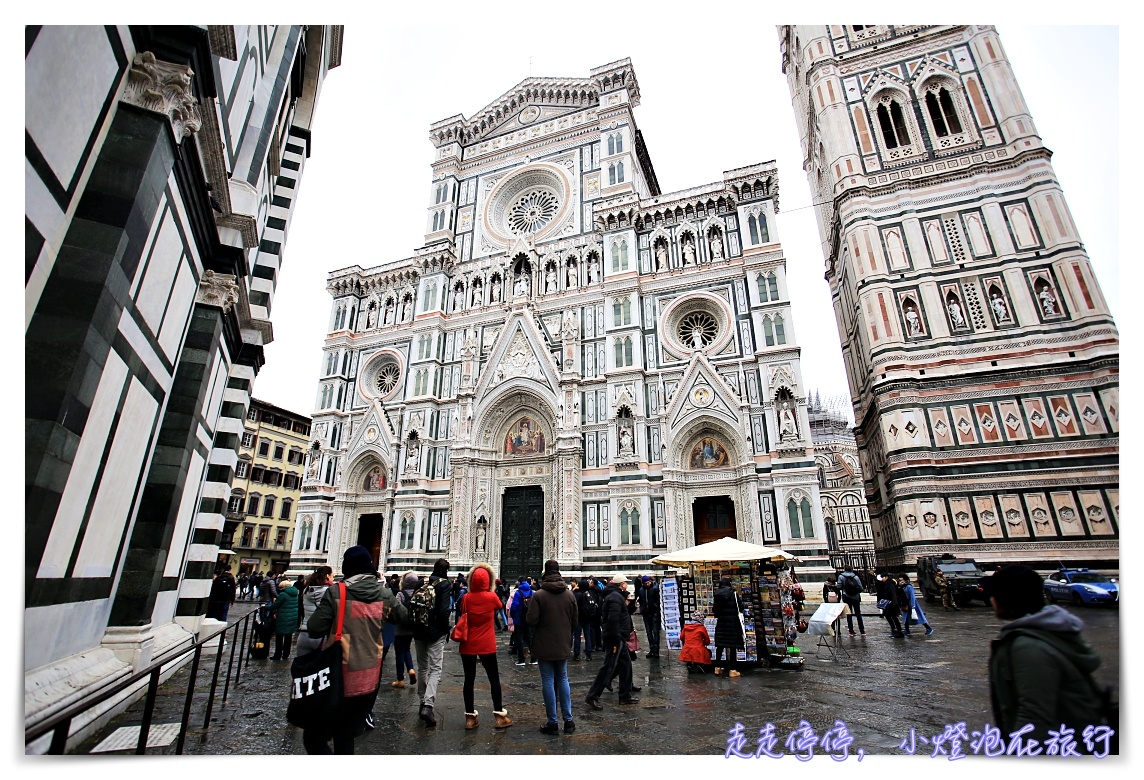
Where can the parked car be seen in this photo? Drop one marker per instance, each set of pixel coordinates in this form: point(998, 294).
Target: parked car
point(962, 575)
point(1081, 586)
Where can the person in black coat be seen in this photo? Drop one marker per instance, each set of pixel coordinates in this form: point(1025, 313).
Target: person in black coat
point(617, 627)
point(728, 626)
point(890, 602)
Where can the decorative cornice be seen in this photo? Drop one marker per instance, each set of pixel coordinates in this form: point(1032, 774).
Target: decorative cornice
point(217, 290)
point(164, 87)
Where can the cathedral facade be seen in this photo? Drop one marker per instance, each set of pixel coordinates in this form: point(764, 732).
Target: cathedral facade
point(575, 365)
point(982, 358)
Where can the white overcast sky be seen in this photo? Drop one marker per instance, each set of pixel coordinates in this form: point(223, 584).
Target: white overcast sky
point(707, 105)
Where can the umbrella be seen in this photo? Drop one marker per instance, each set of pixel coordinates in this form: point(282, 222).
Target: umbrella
point(726, 549)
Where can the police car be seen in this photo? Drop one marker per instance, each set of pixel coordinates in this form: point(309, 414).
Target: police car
point(1081, 586)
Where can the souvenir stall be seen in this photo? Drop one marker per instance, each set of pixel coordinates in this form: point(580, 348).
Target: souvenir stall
point(761, 576)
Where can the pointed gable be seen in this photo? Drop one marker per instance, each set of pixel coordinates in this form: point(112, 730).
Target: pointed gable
point(701, 391)
point(520, 352)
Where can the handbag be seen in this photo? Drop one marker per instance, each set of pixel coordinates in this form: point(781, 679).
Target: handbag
point(831, 597)
point(883, 604)
point(461, 630)
point(633, 642)
point(316, 685)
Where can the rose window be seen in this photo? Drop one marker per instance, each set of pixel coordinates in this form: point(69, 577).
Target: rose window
point(697, 329)
point(532, 211)
point(387, 378)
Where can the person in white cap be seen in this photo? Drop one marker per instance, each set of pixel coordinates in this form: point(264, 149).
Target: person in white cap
point(617, 627)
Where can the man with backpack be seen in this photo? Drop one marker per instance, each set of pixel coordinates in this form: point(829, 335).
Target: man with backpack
point(429, 611)
point(588, 606)
point(852, 588)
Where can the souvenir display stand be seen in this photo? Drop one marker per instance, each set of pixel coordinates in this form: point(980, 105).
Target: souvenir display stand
point(761, 577)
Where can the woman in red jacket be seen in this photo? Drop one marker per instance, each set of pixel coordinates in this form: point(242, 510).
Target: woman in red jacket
point(481, 605)
point(695, 640)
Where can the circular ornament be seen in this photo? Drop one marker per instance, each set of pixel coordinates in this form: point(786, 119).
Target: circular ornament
point(371, 434)
point(701, 395)
point(529, 115)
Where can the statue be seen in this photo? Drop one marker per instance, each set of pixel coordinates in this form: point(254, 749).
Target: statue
point(955, 315)
point(788, 431)
point(688, 251)
point(660, 255)
point(1000, 310)
point(592, 270)
point(405, 309)
point(716, 247)
point(369, 316)
point(458, 298)
point(571, 327)
point(413, 458)
point(697, 339)
point(626, 442)
point(520, 287)
point(550, 280)
point(480, 537)
point(1048, 302)
point(571, 275)
point(913, 321)
point(494, 291)
point(389, 311)
point(315, 462)
point(477, 299)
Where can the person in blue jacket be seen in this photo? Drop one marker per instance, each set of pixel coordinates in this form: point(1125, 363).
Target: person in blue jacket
point(910, 602)
point(520, 628)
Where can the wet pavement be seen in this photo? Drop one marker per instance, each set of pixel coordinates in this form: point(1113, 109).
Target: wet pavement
point(881, 690)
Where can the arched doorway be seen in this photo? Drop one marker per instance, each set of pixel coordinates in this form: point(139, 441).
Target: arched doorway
point(713, 518)
point(370, 535)
point(522, 532)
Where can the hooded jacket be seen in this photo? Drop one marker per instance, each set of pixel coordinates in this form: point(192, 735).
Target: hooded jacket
point(368, 602)
point(481, 605)
point(311, 598)
point(1040, 671)
point(695, 641)
point(408, 584)
point(518, 606)
point(728, 624)
point(553, 614)
point(285, 611)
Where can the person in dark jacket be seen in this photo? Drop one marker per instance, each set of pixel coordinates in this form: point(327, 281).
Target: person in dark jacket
point(430, 642)
point(616, 628)
point(1040, 667)
point(287, 620)
point(480, 606)
point(502, 594)
point(403, 632)
point(368, 602)
point(890, 602)
point(729, 638)
point(553, 614)
point(650, 610)
point(851, 586)
point(268, 590)
point(222, 594)
point(598, 620)
point(587, 607)
point(517, 610)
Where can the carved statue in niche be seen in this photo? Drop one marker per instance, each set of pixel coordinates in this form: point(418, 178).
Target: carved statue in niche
point(405, 308)
point(716, 245)
point(660, 255)
point(458, 298)
point(477, 299)
point(315, 462)
point(913, 321)
point(688, 250)
point(592, 270)
point(627, 441)
point(1000, 310)
point(1048, 301)
point(480, 537)
point(370, 315)
point(550, 279)
point(413, 457)
point(494, 290)
point(572, 274)
point(388, 311)
point(788, 428)
point(956, 316)
point(520, 287)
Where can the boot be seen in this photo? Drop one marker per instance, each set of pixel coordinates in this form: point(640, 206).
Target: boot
point(503, 720)
point(470, 720)
point(718, 671)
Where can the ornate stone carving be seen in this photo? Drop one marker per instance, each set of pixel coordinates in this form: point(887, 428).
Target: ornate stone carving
point(217, 290)
point(519, 361)
point(166, 88)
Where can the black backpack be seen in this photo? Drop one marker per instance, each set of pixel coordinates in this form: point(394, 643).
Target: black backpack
point(591, 604)
point(850, 585)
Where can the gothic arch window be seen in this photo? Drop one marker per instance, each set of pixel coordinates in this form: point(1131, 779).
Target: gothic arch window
point(807, 519)
point(943, 115)
point(622, 311)
point(768, 332)
point(892, 122)
point(435, 217)
point(630, 526)
point(620, 255)
point(611, 174)
point(780, 331)
point(330, 358)
point(619, 172)
point(792, 517)
point(773, 285)
point(352, 317)
point(761, 281)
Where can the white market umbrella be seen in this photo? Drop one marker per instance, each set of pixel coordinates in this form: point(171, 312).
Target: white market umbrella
point(726, 549)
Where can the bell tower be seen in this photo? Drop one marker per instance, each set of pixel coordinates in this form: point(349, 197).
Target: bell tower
point(982, 358)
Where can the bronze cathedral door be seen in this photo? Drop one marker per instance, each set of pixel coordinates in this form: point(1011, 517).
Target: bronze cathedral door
point(522, 533)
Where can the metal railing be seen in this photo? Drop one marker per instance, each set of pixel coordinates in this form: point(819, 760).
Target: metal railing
point(59, 725)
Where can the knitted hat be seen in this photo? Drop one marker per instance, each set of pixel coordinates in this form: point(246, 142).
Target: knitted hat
point(551, 567)
point(357, 560)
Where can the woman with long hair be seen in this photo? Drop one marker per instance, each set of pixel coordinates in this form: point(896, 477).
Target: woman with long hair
point(479, 605)
point(403, 634)
point(315, 589)
point(910, 606)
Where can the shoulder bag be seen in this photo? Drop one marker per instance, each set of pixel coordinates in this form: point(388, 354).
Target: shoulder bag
point(316, 685)
point(461, 630)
